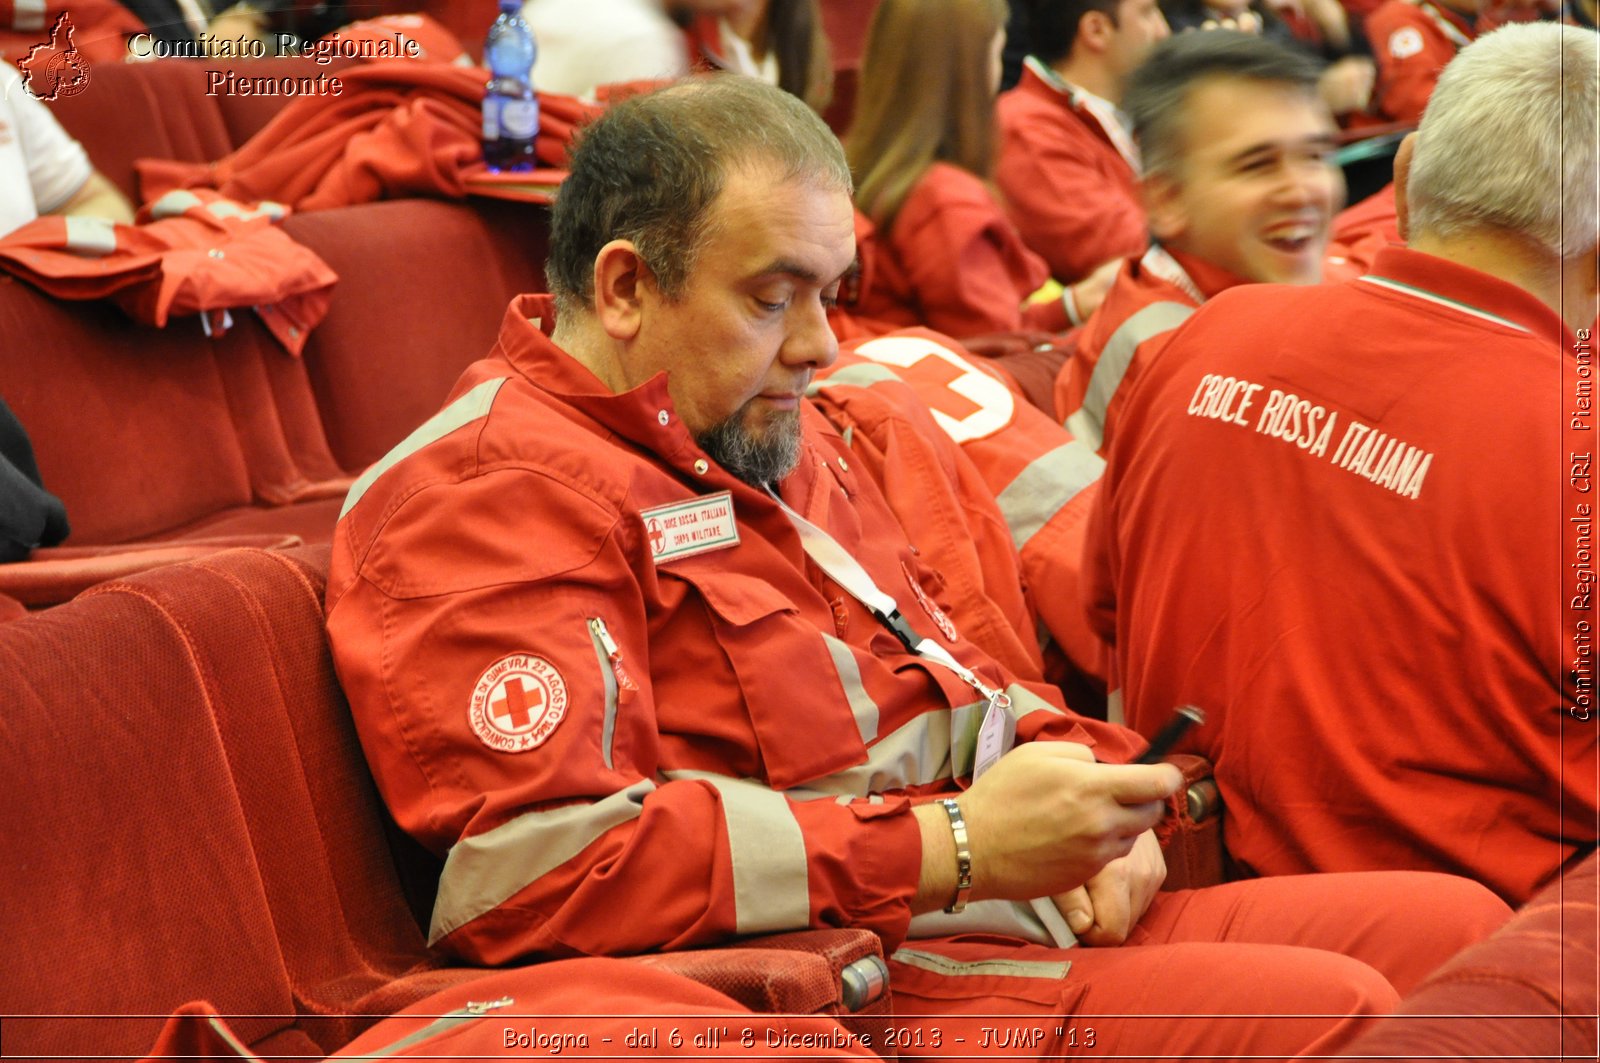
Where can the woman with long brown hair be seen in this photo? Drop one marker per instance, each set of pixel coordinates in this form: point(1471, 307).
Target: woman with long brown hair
point(922, 150)
point(778, 41)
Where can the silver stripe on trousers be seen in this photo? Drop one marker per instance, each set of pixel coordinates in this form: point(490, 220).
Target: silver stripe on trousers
point(930, 961)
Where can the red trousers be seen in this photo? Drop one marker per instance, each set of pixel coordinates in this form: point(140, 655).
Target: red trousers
point(1267, 968)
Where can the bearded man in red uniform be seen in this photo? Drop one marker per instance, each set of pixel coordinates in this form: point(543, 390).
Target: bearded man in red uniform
point(1240, 187)
point(631, 642)
point(1354, 522)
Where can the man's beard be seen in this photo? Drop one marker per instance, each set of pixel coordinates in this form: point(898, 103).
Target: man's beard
point(757, 460)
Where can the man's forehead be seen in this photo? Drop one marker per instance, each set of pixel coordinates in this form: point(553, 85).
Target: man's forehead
point(775, 223)
point(1226, 116)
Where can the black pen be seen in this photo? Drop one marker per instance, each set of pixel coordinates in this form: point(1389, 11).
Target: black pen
point(1183, 718)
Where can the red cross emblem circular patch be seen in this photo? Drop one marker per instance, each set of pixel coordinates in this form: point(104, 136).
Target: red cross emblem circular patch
point(518, 703)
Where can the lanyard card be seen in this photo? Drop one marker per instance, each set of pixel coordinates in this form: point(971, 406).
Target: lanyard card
point(996, 735)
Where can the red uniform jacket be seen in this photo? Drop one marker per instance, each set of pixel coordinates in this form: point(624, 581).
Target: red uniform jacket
point(1359, 233)
point(1367, 552)
point(952, 262)
point(1040, 476)
point(622, 741)
point(196, 253)
point(1150, 297)
point(936, 492)
point(1412, 40)
point(400, 127)
point(1072, 195)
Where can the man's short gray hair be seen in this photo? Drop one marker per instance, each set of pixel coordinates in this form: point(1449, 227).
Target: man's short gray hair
point(650, 168)
point(1508, 140)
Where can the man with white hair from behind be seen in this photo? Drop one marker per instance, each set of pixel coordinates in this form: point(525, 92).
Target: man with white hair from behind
point(1356, 521)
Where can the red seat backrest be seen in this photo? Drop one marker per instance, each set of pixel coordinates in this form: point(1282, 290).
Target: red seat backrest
point(131, 886)
point(423, 288)
point(162, 109)
point(190, 817)
point(131, 425)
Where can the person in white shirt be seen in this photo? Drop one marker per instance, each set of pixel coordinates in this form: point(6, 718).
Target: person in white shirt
point(584, 44)
point(43, 170)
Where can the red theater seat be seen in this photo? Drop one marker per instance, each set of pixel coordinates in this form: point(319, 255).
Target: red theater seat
point(154, 435)
point(190, 818)
point(161, 110)
point(423, 287)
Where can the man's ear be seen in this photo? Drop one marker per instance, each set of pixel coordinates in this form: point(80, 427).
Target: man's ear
point(1402, 179)
point(619, 277)
point(1163, 207)
point(1095, 29)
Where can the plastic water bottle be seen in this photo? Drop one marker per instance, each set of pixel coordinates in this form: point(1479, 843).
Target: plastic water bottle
point(510, 109)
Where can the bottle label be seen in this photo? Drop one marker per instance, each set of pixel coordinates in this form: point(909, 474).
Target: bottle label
point(519, 119)
point(491, 118)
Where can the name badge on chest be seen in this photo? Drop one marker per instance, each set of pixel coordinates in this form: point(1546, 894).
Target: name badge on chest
point(681, 529)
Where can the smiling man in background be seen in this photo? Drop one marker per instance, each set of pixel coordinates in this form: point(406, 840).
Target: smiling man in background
point(1239, 187)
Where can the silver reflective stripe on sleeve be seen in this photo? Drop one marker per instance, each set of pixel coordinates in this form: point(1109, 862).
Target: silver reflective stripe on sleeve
point(174, 203)
point(936, 745)
point(486, 870)
point(1042, 489)
point(929, 961)
point(466, 409)
point(1024, 701)
point(862, 707)
point(1114, 712)
point(771, 877)
point(229, 209)
point(969, 720)
point(472, 1012)
point(90, 236)
point(1088, 422)
point(228, 1037)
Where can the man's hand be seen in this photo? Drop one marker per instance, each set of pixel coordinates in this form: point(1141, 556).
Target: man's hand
point(1104, 910)
point(1044, 819)
point(1346, 85)
point(1089, 293)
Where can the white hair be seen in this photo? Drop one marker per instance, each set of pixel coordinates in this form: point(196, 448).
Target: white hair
point(1509, 137)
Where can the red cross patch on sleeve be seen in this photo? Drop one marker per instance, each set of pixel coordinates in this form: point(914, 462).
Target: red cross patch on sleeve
point(517, 703)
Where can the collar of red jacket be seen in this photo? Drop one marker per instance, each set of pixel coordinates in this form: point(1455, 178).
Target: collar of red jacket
point(643, 415)
point(525, 342)
point(1428, 275)
point(1208, 277)
point(1034, 85)
point(1457, 18)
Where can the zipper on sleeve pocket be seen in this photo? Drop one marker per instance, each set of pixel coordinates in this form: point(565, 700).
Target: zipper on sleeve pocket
point(620, 687)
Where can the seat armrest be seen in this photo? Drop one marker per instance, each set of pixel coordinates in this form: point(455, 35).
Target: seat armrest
point(1191, 832)
point(807, 972)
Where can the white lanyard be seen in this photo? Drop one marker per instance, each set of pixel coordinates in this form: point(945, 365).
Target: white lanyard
point(847, 572)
